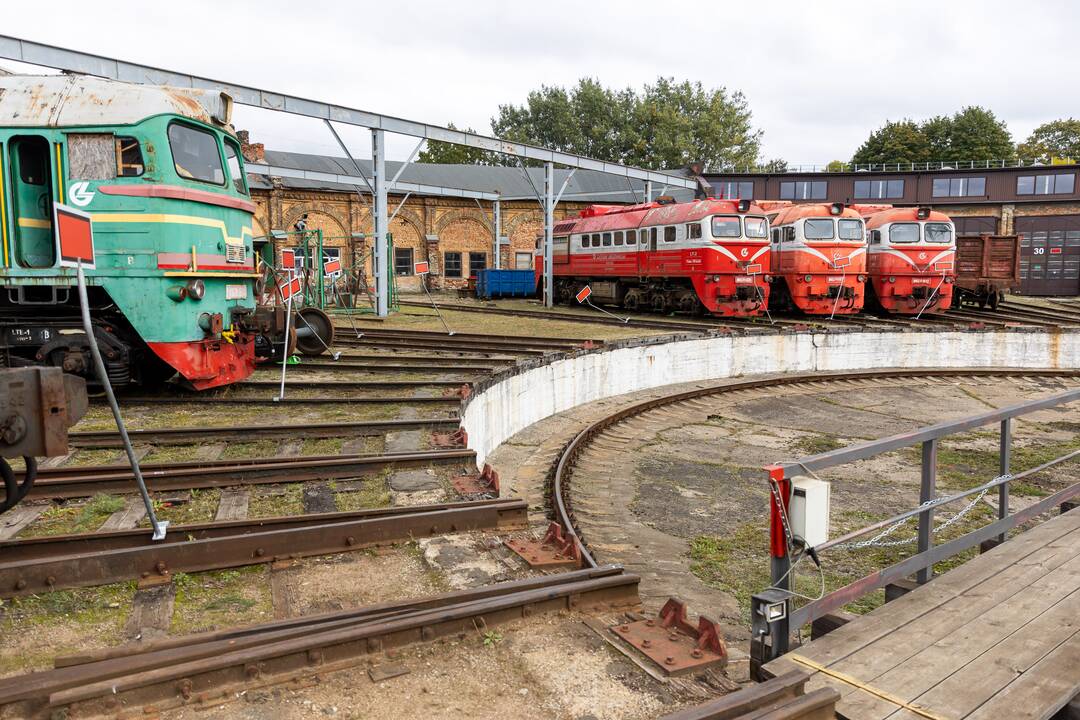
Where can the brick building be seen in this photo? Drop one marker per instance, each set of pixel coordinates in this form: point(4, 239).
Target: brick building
point(455, 235)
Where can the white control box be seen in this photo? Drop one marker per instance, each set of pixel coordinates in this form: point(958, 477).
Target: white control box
point(808, 511)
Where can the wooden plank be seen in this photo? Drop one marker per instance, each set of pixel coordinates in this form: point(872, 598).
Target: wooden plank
point(55, 460)
point(886, 619)
point(14, 520)
point(1008, 587)
point(211, 451)
point(1021, 616)
point(1020, 675)
point(233, 504)
point(292, 447)
point(126, 517)
point(151, 612)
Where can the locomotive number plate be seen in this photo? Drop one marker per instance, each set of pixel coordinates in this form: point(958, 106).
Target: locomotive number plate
point(834, 278)
point(236, 292)
point(920, 281)
point(744, 280)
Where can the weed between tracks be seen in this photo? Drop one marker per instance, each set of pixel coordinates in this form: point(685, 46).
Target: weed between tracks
point(74, 517)
point(209, 600)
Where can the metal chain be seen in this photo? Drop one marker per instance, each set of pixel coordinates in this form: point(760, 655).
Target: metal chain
point(878, 540)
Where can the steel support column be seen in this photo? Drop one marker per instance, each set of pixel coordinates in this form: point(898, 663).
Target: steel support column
point(927, 491)
point(382, 274)
point(549, 224)
point(1004, 462)
point(498, 232)
point(648, 191)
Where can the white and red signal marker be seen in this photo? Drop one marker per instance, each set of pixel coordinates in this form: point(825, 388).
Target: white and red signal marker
point(288, 259)
point(74, 236)
point(421, 268)
point(290, 288)
point(583, 294)
point(334, 266)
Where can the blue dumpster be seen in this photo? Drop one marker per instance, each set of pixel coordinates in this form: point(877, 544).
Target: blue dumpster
point(492, 283)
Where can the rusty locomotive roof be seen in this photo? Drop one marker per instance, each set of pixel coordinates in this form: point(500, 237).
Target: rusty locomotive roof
point(81, 100)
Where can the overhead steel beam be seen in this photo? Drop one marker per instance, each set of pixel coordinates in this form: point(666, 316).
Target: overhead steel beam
point(398, 187)
point(27, 51)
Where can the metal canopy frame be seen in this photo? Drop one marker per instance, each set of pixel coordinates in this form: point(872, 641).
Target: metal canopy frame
point(34, 53)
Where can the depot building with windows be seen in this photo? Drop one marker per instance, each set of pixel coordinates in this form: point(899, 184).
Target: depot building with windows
point(456, 236)
point(1041, 204)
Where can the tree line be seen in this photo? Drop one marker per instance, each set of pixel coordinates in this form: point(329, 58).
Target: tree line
point(669, 124)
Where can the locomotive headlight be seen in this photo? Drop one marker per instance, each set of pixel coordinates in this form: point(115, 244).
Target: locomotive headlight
point(176, 293)
point(950, 279)
point(808, 278)
point(892, 278)
point(862, 278)
point(196, 289)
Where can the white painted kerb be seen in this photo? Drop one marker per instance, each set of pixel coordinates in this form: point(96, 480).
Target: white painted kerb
point(512, 403)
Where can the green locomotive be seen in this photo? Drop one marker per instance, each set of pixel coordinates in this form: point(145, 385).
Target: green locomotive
point(160, 172)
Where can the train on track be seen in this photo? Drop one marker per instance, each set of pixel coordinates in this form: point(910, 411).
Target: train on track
point(709, 254)
point(176, 281)
point(738, 257)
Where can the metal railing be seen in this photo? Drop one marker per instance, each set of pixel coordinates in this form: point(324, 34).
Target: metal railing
point(836, 167)
point(773, 612)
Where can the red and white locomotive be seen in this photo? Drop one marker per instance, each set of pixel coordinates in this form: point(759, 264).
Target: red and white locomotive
point(709, 255)
point(818, 258)
point(911, 258)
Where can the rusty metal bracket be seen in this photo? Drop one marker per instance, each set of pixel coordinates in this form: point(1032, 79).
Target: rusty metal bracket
point(484, 483)
point(673, 643)
point(457, 438)
point(555, 549)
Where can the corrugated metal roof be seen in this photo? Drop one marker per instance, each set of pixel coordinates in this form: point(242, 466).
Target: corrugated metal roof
point(584, 186)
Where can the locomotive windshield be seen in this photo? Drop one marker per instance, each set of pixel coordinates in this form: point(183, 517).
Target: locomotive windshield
point(818, 229)
point(938, 233)
point(850, 229)
point(756, 227)
point(195, 154)
point(726, 226)
point(904, 233)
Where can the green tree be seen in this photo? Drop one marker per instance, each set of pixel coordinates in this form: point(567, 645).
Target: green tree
point(894, 142)
point(453, 154)
point(977, 134)
point(667, 125)
point(776, 165)
point(1055, 139)
point(836, 166)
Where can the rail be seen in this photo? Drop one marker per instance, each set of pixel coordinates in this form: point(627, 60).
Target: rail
point(773, 613)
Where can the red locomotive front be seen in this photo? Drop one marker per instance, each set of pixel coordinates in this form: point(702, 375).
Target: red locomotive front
point(818, 258)
point(706, 255)
point(911, 259)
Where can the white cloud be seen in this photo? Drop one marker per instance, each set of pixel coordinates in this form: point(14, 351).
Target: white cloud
point(818, 76)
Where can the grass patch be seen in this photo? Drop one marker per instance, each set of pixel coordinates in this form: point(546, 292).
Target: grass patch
point(817, 444)
point(201, 507)
point(74, 518)
point(373, 493)
point(323, 446)
point(244, 451)
point(173, 453)
point(215, 599)
point(277, 500)
point(85, 458)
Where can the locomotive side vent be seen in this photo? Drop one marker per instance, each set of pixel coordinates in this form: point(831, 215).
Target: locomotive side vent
point(234, 253)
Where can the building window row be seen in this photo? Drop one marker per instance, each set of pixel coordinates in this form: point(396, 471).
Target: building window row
point(734, 189)
point(452, 267)
point(1062, 184)
point(878, 189)
point(959, 187)
point(803, 190)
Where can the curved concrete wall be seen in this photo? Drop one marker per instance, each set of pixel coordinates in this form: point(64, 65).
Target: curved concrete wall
point(512, 400)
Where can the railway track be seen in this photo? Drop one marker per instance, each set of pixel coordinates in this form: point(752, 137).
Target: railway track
point(560, 490)
point(248, 433)
point(76, 482)
point(205, 670)
point(44, 564)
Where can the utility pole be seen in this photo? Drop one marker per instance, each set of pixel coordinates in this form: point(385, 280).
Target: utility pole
point(549, 224)
point(382, 274)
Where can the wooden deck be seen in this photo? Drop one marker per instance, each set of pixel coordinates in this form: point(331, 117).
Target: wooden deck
point(997, 638)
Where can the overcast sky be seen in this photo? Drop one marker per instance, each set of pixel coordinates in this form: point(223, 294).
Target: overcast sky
point(818, 76)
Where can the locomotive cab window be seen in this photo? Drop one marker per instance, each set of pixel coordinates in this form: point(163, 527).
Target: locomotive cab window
point(669, 233)
point(726, 226)
point(818, 229)
point(607, 239)
point(195, 154)
point(938, 233)
point(693, 231)
point(756, 227)
point(904, 233)
point(236, 173)
point(850, 229)
point(129, 160)
point(618, 238)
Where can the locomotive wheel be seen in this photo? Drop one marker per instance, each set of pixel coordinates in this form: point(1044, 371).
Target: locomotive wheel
point(660, 302)
point(314, 331)
point(632, 300)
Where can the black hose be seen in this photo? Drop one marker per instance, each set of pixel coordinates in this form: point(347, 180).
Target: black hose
point(13, 492)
